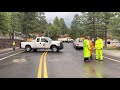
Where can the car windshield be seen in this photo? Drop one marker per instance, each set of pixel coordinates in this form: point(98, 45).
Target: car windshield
point(49, 39)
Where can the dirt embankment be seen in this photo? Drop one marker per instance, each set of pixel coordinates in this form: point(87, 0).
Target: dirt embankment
point(7, 43)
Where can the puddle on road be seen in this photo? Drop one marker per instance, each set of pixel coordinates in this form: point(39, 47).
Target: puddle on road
point(19, 60)
point(94, 70)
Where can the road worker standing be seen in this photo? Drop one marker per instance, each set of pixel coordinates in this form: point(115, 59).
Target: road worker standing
point(13, 44)
point(99, 48)
point(91, 47)
point(86, 49)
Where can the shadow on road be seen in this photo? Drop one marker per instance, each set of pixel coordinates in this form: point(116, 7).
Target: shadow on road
point(44, 51)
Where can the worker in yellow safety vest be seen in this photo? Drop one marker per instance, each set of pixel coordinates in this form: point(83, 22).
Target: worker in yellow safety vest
point(13, 44)
point(99, 48)
point(86, 49)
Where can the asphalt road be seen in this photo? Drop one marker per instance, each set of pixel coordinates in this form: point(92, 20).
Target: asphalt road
point(68, 63)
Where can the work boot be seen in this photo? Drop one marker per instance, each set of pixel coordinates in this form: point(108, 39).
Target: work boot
point(91, 58)
point(86, 59)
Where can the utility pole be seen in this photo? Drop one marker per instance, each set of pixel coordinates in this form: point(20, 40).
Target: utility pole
point(13, 31)
point(105, 38)
point(13, 35)
point(26, 32)
point(48, 33)
point(94, 32)
point(26, 25)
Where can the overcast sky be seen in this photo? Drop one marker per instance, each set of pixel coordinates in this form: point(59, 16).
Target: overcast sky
point(68, 16)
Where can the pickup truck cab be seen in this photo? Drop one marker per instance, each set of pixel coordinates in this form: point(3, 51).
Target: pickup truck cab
point(42, 43)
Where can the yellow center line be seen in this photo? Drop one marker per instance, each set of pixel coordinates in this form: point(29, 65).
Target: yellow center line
point(40, 67)
point(45, 66)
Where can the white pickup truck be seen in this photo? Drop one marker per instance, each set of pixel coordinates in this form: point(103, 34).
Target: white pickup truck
point(65, 39)
point(42, 43)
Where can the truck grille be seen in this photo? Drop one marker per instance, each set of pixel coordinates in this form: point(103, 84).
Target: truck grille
point(61, 44)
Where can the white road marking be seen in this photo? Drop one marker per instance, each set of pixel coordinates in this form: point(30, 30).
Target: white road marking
point(110, 58)
point(19, 60)
point(6, 53)
point(10, 55)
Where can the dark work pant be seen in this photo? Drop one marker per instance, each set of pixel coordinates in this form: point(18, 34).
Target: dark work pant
point(86, 58)
point(91, 57)
point(13, 47)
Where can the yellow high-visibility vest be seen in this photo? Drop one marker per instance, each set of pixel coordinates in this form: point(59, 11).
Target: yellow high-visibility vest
point(99, 44)
point(13, 43)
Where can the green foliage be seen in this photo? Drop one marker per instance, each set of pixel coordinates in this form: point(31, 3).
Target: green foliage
point(87, 23)
point(57, 28)
point(63, 26)
point(95, 24)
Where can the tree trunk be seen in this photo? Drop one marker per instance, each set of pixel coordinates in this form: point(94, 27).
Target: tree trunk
point(105, 38)
point(9, 35)
point(13, 35)
point(94, 32)
point(26, 34)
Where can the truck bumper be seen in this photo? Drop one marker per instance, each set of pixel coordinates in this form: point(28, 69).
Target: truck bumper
point(79, 47)
point(60, 47)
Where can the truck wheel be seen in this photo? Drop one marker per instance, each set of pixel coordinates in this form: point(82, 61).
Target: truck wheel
point(54, 49)
point(58, 51)
point(28, 48)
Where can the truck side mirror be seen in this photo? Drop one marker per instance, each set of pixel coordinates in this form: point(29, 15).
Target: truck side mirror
point(46, 40)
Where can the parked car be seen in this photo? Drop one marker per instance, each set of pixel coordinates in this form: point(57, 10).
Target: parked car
point(78, 44)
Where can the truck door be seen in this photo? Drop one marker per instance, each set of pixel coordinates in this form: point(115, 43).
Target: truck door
point(45, 43)
point(38, 43)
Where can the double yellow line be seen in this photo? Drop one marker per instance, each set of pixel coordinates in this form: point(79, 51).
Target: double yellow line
point(45, 74)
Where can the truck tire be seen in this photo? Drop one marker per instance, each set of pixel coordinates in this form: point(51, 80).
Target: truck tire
point(28, 48)
point(58, 51)
point(54, 49)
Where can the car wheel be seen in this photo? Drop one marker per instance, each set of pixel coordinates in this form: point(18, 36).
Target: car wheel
point(76, 48)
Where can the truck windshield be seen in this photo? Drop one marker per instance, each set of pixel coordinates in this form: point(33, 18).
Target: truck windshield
point(49, 39)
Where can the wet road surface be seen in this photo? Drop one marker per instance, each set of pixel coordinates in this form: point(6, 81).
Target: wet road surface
point(68, 63)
